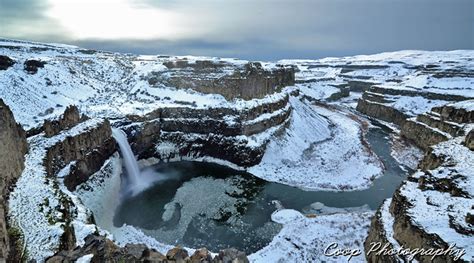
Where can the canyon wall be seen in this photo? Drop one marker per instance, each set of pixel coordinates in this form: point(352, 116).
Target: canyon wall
point(221, 133)
point(247, 82)
point(87, 151)
point(380, 111)
point(13, 147)
point(433, 207)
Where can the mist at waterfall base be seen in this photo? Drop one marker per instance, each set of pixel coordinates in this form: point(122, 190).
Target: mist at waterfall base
point(135, 180)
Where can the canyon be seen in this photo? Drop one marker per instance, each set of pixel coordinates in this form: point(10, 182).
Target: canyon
point(307, 124)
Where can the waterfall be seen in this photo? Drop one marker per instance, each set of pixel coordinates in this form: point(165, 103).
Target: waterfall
point(129, 160)
point(137, 180)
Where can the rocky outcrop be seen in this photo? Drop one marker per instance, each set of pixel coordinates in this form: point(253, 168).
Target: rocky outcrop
point(414, 93)
point(430, 161)
point(433, 120)
point(87, 151)
point(104, 250)
point(32, 66)
point(344, 91)
point(50, 162)
point(5, 62)
point(70, 118)
point(13, 147)
point(89, 164)
point(396, 103)
point(378, 234)
point(230, 255)
point(100, 249)
point(360, 86)
point(455, 114)
point(234, 150)
point(440, 191)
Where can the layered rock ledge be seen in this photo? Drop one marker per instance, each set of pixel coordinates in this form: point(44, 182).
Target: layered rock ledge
point(220, 133)
point(246, 81)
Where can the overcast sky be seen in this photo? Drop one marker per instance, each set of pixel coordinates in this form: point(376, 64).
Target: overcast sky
point(250, 29)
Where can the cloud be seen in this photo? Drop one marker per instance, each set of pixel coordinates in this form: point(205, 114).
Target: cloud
point(26, 19)
point(264, 29)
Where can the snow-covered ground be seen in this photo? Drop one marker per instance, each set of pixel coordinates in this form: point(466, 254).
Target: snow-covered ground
point(35, 203)
point(436, 72)
point(112, 85)
point(321, 149)
point(308, 239)
point(405, 153)
point(101, 84)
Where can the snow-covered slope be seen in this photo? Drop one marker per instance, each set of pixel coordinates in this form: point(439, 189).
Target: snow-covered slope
point(100, 83)
point(322, 149)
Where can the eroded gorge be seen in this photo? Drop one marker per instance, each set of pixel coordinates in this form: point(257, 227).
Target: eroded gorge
point(256, 161)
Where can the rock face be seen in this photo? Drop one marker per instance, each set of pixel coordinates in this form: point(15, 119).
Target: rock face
point(104, 250)
point(247, 82)
point(13, 148)
point(422, 135)
point(360, 86)
point(395, 103)
point(88, 151)
point(469, 142)
point(413, 93)
point(5, 62)
point(381, 111)
point(70, 118)
point(440, 192)
point(378, 234)
point(100, 249)
point(456, 114)
point(214, 132)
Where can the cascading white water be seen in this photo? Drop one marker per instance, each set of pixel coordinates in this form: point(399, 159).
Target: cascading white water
point(131, 164)
point(137, 180)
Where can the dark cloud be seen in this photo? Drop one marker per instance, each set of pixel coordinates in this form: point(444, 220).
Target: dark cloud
point(21, 9)
point(25, 19)
point(274, 29)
